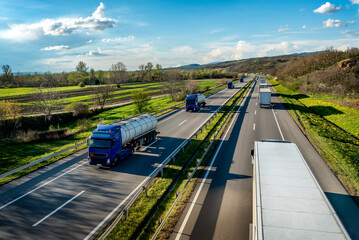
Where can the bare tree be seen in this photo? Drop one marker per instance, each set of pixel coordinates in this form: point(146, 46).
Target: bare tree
point(118, 71)
point(8, 76)
point(47, 100)
point(148, 70)
point(173, 83)
point(102, 95)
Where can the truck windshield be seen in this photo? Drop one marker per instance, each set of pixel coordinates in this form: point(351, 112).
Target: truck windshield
point(190, 102)
point(100, 143)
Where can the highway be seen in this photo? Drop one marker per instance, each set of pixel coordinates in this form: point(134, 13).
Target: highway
point(221, 205)
point(71, 200)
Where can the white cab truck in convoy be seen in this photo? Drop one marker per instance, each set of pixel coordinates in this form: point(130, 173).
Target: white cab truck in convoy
point(288, 202)
point(109, 144)
point(195, 101)
point(265, 97)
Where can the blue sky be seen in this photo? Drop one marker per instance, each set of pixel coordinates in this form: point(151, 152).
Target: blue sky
point(55, 35)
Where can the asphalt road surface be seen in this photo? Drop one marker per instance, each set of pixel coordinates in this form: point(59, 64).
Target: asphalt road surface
point(221, 205)
point(71, 200)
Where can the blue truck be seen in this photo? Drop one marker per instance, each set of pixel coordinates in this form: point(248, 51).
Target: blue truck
point(230, 85)
point(241, 79)
point(109, 144)
point(194, 102)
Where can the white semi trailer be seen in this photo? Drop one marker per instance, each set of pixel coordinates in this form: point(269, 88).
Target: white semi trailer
point(288, 202)
point(265, 97)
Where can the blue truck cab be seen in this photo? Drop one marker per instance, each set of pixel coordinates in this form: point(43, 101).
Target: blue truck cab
point(105, 146)
point(241, 79)
point(194, 102)
point(230, 85)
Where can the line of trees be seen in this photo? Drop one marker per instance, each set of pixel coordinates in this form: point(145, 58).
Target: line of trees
point(117, 74)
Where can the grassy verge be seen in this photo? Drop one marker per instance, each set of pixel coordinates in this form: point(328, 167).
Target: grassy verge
point(11, 158)
point(339, 149)
point(144, 204)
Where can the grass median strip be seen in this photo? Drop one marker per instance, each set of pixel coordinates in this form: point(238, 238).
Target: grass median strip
point(144, 204)
point(338, 148)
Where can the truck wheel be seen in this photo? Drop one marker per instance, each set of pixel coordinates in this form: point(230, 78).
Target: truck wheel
point(117, 160)
point(132, 151)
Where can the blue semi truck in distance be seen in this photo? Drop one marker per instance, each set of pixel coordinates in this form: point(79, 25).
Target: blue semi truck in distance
point(241, 79)
point(194, 102)
point(109, 144)
point(230, 85)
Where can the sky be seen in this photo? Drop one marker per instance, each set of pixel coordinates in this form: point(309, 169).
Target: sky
point(41, 36)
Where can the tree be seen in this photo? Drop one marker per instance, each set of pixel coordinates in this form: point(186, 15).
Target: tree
point(93, 78)
point(100, 77)
point(78, 109)
point(157, 74)
point(142, 72)
point(173, 83)
point(81, 67)
point(8, 76)
point(47, 100)
point(102, 95)
point(141, 100)
point(148, 71)
point(10, 109)
point(118, 71)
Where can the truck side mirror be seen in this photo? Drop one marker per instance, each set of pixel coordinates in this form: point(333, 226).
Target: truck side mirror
point(252, 153)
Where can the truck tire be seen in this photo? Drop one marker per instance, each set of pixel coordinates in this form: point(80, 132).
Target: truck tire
point(132, 151)
point(117, 160)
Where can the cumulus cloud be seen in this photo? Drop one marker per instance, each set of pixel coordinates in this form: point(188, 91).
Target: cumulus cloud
point(93, 53)
point(119, 39)
point(56, 27)
point(283, 29)
point(187, 50)
point(304, 27)
point(327, 8)
point(336, 23)
point(355, 1)
point(61, 47)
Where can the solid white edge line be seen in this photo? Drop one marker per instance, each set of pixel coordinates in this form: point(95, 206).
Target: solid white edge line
point(135, 190)
point(280, 131)
point(57, 209)
point(182, 122)
point(44, 184)
point(202, 183)
point(165, 120)
point(148, 145)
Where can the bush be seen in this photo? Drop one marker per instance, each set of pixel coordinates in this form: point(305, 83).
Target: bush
point(78, 109)
point(81, 84)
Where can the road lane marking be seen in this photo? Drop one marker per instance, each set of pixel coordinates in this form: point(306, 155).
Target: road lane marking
point(256, 104)
point(148, 146)
point(203, 181)
point(140, 185)
point(255, 112)
point(280, 131)
point(57, 209)
point(170, 117)
point(182, 122)
point(254, 126)
point(44, 184)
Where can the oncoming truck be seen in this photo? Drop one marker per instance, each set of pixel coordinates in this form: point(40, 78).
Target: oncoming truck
point(288, 202)
point(194, 102)
point(109, 144)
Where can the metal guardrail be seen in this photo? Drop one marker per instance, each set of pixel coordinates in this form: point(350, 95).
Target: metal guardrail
point(199, 161)
point(159, 170)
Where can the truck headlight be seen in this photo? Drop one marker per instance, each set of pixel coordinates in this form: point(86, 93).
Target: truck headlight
point(108, 161)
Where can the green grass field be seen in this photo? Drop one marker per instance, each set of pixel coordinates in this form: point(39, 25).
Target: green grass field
point(339, 149)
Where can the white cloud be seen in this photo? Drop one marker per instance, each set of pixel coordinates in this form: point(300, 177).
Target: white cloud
point(355, 1)
point(93, 53)
point(351, 33)
point(304, 27)
point(283, 29)
point(61, 47)
point(327, 8)
point(90, 41)
point(119, 39)
point(186, 50)
point(56, 27)
point(336, 23)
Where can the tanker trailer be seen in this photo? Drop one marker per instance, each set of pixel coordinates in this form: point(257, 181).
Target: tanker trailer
point(111, 143)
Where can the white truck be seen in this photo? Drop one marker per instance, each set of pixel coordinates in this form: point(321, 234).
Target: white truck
point(265, 97)
point(288, 202)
